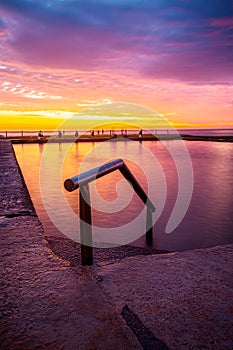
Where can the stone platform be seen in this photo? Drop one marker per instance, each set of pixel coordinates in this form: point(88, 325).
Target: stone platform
point(171, 301)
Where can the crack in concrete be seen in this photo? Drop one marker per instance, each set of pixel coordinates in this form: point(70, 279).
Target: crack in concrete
point(16, 214)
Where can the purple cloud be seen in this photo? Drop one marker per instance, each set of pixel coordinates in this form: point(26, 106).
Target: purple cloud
point(3, 27)
point(183, 40)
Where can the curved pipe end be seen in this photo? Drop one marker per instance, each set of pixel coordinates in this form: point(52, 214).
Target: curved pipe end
point(69, 185)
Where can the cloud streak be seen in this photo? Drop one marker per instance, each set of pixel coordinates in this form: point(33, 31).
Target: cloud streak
point(175, 56)
point(183, 40)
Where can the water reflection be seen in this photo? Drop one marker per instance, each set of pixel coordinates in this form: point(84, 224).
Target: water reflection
point(208, 221)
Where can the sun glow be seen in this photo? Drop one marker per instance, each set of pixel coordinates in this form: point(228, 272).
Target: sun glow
point(57, 60)
point(87, 119)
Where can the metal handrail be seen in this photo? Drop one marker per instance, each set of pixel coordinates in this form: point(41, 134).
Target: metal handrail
point(81, 181)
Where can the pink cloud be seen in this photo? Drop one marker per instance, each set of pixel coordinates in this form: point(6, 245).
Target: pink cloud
point(148, 39)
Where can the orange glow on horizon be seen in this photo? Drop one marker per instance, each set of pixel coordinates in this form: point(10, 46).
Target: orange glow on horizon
point(38, 103)
point(182, 105)
point(58, 58)
point(19, 123)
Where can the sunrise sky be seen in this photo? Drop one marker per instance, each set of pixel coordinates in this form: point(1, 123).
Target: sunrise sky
point(59, 57)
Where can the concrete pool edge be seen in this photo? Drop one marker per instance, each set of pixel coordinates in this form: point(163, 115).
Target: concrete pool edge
point(46, 303)
point(184, 299)
point(100, 138)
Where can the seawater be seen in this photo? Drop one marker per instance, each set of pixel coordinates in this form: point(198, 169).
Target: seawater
point(207, 221)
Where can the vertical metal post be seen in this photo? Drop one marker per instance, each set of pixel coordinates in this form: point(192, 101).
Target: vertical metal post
point(81, 181)
point(21, 134)
point(6, 134)
point(149, 228)
point(85, 225)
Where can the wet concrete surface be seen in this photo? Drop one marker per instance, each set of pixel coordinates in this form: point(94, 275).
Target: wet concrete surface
point(185, 299)
point(48, 301)
point(70, 251)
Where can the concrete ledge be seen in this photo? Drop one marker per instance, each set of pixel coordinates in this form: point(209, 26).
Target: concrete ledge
point(46, 304)
point(184, 299)
point(100, 138)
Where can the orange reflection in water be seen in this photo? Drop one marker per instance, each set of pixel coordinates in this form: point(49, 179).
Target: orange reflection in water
point(208, 220)
point(104, 191)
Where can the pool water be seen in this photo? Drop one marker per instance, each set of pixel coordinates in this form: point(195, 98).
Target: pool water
point(193, 177)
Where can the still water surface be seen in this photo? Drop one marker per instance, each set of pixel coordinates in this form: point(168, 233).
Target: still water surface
point(209, 217)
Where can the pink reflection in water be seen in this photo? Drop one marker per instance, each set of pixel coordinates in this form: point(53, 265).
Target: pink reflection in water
point(208, 221)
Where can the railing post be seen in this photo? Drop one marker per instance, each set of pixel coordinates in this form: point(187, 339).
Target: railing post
point(149, 227)
point(85, 225)
point(81, 181)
